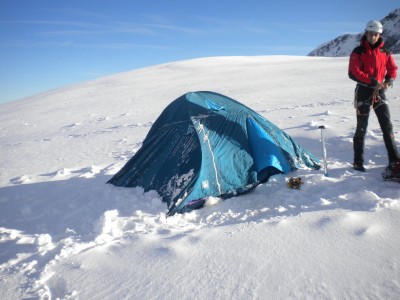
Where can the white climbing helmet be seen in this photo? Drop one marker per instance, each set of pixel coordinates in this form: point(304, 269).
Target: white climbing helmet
point(374, 26)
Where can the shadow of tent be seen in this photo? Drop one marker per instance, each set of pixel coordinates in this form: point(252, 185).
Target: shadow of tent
point(54, 207)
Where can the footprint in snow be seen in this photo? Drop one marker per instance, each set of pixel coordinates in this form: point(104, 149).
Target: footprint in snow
point(23, 179)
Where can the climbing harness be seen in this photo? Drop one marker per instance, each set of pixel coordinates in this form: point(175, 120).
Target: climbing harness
point(374, 101)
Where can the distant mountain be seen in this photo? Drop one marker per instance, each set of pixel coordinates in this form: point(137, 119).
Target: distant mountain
point(344, 44)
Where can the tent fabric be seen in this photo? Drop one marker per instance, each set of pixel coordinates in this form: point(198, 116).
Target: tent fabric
point(206, 144)
point(265, 152)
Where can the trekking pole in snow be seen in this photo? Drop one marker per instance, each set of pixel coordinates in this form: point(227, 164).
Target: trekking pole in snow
point(322, 127)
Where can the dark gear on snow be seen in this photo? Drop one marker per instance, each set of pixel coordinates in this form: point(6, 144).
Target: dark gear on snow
point(295, 183)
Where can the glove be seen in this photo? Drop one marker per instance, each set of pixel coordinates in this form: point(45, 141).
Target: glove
point(375, 84)
point(388, 83)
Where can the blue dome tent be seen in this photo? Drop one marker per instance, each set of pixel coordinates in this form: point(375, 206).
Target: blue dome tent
point(206, 144)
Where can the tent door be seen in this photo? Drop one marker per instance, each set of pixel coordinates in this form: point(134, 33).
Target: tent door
point(268, 156)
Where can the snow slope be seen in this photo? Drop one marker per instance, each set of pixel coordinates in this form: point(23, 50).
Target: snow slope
point(65, 234)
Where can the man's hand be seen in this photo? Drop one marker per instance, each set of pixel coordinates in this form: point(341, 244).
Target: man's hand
point(379, 86)
point(376, 84)
point(388, 83)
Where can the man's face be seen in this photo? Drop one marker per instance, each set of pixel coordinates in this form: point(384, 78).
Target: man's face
point(373, 37)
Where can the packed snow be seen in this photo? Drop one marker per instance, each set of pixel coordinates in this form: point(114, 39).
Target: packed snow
point(66, 234)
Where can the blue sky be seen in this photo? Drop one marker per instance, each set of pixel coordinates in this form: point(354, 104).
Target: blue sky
point(45, 44)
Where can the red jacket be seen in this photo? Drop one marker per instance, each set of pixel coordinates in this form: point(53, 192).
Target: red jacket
point(368, 64)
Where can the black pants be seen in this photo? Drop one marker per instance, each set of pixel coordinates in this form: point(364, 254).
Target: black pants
point(365, 100)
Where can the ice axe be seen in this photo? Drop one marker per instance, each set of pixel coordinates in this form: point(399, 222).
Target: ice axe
point(322, 127)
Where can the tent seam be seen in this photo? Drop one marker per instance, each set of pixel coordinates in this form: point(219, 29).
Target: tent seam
point(200, 129)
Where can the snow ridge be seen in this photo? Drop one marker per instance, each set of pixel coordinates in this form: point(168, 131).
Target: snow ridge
point(344, 44)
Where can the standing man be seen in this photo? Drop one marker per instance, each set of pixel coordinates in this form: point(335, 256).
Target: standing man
point(373, 68)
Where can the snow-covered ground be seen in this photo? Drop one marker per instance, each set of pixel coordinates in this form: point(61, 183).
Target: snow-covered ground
point(66, 234)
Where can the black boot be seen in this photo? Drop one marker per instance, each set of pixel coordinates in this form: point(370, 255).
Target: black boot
point(358, 145)
point(391, 148)
point(392, 171)
point(359, 167)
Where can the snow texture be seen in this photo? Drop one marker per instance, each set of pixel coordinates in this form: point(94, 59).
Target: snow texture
point(65, 234)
